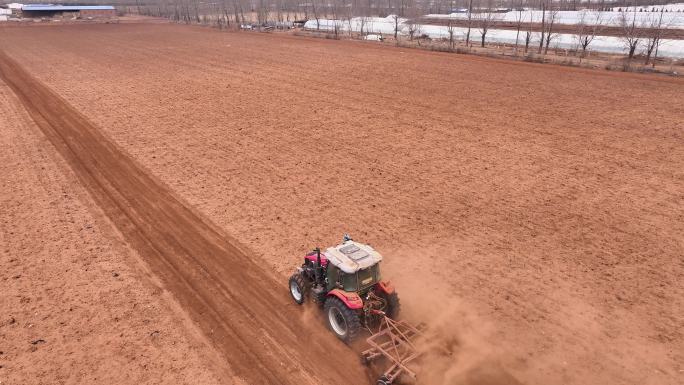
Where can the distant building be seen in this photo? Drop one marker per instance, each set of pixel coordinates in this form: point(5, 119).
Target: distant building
point(41, 10)
point(11, 9)
point(16, 6)
point(5, 13)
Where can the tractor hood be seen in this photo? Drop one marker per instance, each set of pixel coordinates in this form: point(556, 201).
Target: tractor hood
point(351, 256)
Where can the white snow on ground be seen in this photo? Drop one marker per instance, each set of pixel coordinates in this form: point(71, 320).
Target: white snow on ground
point(383, 25)
point(671, 19)
point(609, 44)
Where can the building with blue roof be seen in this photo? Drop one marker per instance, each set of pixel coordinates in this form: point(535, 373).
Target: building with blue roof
point(84, 11)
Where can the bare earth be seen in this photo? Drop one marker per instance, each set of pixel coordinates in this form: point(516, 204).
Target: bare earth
point(77, 306)
point(532, 212)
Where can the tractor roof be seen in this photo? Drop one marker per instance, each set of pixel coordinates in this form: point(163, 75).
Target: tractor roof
point(351, 256)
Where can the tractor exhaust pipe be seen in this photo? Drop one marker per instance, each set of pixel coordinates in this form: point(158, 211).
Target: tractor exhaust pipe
point(319, 268)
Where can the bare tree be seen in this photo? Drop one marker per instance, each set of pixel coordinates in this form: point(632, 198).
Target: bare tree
point(335, 18)
point(362, 25)
point(451, 30)
point(528, 35)
point(485, 21)
point(412, 27)
point(242, 11)
point(630, 33)
point(587, 30)
point(186, 13)
point(350, 16)
point(279, 13)
point(553, 16)
point(370, 25)
point(519, 19)
point(420, 36)
point(262, 12)
point(396, 28)
point(655, 33)
point(414, 13)
point(197, 13)
point(314, 10)
point(236, 11)
point(543, 25)
point(470, 21)
point(226, 13)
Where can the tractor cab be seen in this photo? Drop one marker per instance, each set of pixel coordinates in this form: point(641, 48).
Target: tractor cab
point(352, 267)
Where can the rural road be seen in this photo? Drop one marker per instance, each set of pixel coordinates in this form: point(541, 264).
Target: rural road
point(239, 306)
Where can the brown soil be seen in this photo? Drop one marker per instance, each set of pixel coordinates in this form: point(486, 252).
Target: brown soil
point(77, 306)
point(247, 321)
point(531, 213)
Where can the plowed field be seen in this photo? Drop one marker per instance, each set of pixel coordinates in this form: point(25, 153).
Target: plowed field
point(531, 213)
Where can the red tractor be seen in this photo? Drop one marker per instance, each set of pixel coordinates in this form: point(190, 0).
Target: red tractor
point(345, 281)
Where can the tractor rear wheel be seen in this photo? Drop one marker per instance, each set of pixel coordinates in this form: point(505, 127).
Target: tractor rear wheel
point(343, 321)
point(298, 289)
point(393, 305)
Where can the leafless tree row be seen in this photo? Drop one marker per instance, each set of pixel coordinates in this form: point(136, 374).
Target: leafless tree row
point(480, 15)
point(649, 33)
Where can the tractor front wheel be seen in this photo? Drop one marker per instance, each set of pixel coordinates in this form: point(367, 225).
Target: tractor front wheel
point(297, 288)
point(343, 321)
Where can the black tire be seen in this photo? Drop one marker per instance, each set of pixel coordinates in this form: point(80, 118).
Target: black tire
point(347, 324)
point(383, 381)
point(393, 305)
point(297, 281)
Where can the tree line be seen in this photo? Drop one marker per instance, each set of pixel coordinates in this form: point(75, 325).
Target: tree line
point(481, 15)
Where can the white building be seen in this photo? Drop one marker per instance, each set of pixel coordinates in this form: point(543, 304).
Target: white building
point(11, 9)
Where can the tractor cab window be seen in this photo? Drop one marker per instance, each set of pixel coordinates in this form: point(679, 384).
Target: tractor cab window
point(369, 276)
point(361, 279)
point(333, 274)
point(352, 282)
point(349, 282)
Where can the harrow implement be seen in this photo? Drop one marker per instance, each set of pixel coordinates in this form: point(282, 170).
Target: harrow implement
point(396, 342)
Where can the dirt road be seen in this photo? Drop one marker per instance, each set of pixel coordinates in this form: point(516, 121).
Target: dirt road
point(237, 303)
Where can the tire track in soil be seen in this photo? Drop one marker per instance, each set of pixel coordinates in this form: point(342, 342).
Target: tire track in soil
point(238, 305)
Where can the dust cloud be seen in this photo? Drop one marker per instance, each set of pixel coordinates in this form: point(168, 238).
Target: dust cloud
point(457, 346)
